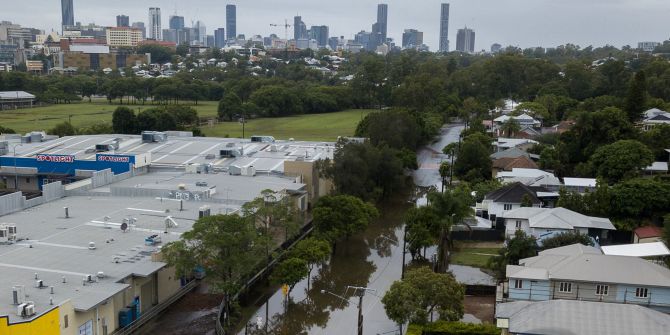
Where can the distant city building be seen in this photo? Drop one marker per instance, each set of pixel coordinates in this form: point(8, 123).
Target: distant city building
point(444, 28)
point(231, 22)
point(334, 42)
point(364, 39)
point(176, 22)
point(210, 41)
point(67, 13)
point(382, 21)
point(299, 28)
point(220, 38)
point(495, 48)
point(202, 32)
point(122, 21)
point(320, 34)
point(155, 31)
point(170, 35)
point(140, 26)
point(123, 36)
point(647, 46)
point(14, 34)
point(465, 40)
point(412, 38)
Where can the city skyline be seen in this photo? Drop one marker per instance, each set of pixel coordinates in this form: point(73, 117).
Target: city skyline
point(523, 23)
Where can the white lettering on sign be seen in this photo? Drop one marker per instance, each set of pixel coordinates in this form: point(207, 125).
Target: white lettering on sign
point(55, 158)
point(113, 159)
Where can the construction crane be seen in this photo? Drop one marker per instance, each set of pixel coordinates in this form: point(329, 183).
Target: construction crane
point(286, 26)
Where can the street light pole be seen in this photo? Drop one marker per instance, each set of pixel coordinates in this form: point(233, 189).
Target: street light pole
point(361, 293)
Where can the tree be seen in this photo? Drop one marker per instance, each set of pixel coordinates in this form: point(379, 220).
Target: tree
point(276, 101)
point(63, 129)
point(445, 171)
point(621, 160)
point(526, 201)
point(510, 127)
point(4, 130)
point(415, 298)
point(290, 272)
point(159, 54)
point(340, 216)
point(274, 210)
point(230, 106)
point(518, 247)
point(423, 229)
point(124, 121)
point(473, 163)
point(564, 239)
point(314, 251)
point(636, 101)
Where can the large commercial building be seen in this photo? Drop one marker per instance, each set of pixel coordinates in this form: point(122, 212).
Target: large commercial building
point(140, 26)
point(201, 31)
point(444, 28)
point(320, 34)
point(299, 28)
point(123, 36)
point(382, 22)
point(220, 38)
point(67, 13)
point(155, 31)
point(412, 38)
point(176, 22)
point(122, 21)
point(96, 57)
point(231, 22)
point(82, 253)
point(465, 40)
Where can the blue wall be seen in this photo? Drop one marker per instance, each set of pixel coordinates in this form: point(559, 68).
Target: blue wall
point(70, 167)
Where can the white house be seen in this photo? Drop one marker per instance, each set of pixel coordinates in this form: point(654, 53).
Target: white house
point(524, 120)
point(530, 177)
point(507, 198)
point(655, 117)
point(502, 144)
point(543, 222)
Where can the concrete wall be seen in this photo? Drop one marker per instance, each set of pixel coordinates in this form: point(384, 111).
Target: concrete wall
point(168, 283)
point(16, 201)
point(46, 324)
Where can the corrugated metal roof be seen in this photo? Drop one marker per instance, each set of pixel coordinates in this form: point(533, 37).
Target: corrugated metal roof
point(11, 95)
point(653, 249)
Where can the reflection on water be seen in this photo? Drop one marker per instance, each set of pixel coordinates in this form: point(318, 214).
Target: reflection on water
point(369, 259)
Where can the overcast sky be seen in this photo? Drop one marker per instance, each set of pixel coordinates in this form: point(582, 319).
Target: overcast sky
point(523, 23)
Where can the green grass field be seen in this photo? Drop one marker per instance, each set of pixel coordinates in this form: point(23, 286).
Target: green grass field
point(312, 127)
point(316, 127)
point(477, 257)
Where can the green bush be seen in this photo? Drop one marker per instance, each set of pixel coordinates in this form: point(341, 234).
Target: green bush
point(453, 328)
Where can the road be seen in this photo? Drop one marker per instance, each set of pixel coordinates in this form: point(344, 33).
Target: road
point(430, 157)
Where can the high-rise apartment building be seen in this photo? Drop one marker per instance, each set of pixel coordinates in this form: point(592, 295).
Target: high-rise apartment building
point(444, 28)
point(67, 13)
point(220, 38)
point(140, 26)
point(299, 28)
point(465, 40)
point(155, 31)
point(412, 38)
point(231, 22)
point(122, 21)
point(176, 22)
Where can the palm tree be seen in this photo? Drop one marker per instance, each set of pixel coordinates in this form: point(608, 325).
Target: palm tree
point(511, 126)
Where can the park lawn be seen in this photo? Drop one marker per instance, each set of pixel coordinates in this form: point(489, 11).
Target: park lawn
point(310, 127)
point(84, 114)
point(472, 256)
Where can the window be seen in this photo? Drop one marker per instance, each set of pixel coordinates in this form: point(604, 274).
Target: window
point(507, 207)
point(565, 288)
point(66, 322)
point(518, 283)
point(27, 180)
point(518, 225)
point(602, 289)
point(641, 292)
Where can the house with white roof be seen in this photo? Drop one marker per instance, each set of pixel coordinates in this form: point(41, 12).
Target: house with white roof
point(579, 185)
point(655, 117)
point(524, 120)
point(544, 222)
point(503, 143)
point(578, 272)
point(530, 177)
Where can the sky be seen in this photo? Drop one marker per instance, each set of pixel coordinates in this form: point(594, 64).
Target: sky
point(522, 23)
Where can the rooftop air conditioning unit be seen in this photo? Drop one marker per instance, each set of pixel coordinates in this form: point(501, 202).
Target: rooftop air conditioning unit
point(4, 235)
point(204, 211)
point(26, 309)
point(39, 283)
point(19, 294)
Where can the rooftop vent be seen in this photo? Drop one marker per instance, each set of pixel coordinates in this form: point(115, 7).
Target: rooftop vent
point(91, 245)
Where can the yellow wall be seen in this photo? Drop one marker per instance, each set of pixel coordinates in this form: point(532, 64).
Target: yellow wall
point(47, 324)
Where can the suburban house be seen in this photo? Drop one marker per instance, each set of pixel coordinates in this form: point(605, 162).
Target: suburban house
point(507, 198)
point(530, 177)
point(513, 153)
point(655, 117)
point(502, 144)
point(553, 317)
point(524, 121)
point(559, 128)
point(647, 234)
point(579, 185)
point(509, 163)
point(578, 272)
point(546, 222)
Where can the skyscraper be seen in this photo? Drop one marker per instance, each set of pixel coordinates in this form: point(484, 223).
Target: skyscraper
point(220, 38)
point(444, 28)
point(231, 22)
point(176, 22)
point(202, 32)
point(140, 26)
point(382, 20)
point(320, 34)
point(465, 40)
point(299, 28)
point(412, 38)
point(67, 13)
point(122, 21)
point(155, 31)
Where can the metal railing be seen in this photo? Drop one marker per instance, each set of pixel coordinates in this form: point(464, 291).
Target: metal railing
point(154, 311)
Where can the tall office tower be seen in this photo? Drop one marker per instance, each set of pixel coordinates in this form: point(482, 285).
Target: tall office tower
point(155, 31)
point(299, 28)
point(140, 26)
point(220, 38)
point(201, 30)
point(412, 38)
point(320, 34)
point(67, 13)
point(176, 22)
point(465, 40)
point(231, 22)
point(210, 41)
point(444, 28)
point(382, 20)
point(122, 21)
